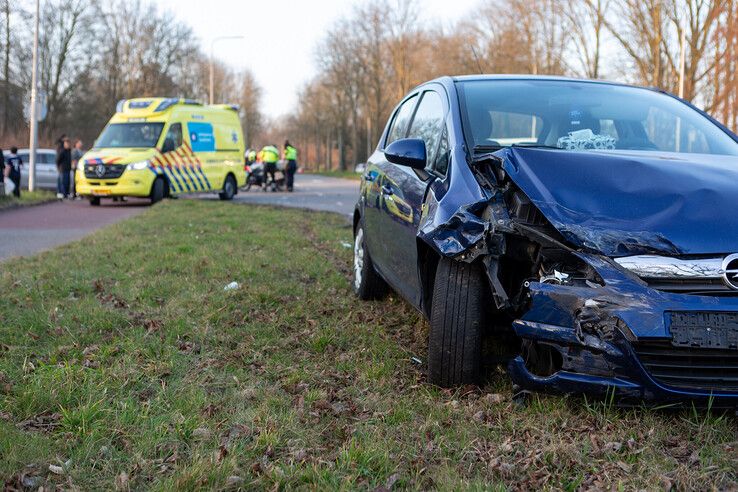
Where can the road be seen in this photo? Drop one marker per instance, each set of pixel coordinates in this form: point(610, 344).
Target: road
point(30, 230)
point(312, 192)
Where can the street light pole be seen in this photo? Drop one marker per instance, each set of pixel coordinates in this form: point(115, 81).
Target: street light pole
point(34, 102)
point(212, 55)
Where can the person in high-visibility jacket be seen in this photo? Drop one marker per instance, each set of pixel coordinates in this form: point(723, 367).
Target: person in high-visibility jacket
point(290, 155)
point(270, 157)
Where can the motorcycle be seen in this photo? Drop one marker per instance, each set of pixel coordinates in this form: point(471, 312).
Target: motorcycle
point(254, 175)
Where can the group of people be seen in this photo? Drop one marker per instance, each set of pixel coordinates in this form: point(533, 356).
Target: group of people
point(68, 157)
point(269, 156)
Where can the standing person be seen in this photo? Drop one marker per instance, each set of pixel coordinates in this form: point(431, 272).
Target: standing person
point(63, 167)
point(77, 154)
point(270, 156)
point(290, 155)
point(13, 165)
point(60, 144)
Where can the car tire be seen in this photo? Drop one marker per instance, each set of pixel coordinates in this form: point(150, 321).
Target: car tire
point(367, 283)
point(456, 321)
point(229, 189)
point(157, 191)
point(95, 201)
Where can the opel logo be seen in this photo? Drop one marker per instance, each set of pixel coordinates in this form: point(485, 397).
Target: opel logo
point(100, 172)
point(730, 271)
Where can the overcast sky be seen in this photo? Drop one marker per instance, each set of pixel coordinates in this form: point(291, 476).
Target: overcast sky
point(281, 36)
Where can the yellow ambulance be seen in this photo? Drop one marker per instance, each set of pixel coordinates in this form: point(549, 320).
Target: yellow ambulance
point(160, 147)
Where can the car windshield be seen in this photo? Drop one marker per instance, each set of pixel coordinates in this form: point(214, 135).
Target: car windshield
point(585, 116)
point(142, 135)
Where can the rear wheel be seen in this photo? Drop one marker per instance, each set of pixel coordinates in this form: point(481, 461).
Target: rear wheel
point(95, 201)
point(229, 189)
point(367, 283)
point(456, 321)
point(157, 191)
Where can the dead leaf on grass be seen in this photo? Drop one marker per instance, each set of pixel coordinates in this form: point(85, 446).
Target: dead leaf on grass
point(43, 422)
point(121, 481)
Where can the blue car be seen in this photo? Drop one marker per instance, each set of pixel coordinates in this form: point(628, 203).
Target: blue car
point(583, 233)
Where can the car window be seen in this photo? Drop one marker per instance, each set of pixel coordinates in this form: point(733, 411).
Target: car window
point(580, 115)
point(675, 134)
point(441, 163)
point(175, 134)
point(401, 120)
point(136, 135)
point(428, 124)
point(508, 127)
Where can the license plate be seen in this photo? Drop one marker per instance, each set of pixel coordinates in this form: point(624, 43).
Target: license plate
point(704, 330)
point(101, 192)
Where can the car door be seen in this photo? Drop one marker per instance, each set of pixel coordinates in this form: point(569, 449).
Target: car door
point(46, 173)
point(403, 191)
point(373, 178)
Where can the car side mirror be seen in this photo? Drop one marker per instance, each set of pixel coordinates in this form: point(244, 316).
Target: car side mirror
point(168, 146)
point(408, 152)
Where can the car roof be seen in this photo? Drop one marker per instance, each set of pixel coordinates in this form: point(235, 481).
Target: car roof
point(449, 81)
point(45, 151)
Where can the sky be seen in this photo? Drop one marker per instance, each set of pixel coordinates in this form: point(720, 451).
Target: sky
point(281, 36)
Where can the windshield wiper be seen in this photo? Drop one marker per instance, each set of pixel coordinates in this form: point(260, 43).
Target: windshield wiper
point(487, 148)
point(532, 145)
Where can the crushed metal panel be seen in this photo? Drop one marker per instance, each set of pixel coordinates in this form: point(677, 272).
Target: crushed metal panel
point(621, 203)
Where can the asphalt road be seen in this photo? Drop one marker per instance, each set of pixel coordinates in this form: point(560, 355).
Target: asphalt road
point(30, 230)
point(312, 192)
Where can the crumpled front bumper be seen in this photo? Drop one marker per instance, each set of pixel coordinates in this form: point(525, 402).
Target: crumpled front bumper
point(598, 332)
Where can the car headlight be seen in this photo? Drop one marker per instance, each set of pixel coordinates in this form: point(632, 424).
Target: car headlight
point(137, 166)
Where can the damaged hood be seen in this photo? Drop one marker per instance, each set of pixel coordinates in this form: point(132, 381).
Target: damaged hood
point(622, 203)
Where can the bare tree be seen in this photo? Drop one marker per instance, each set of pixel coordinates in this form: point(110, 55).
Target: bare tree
point(586, 21)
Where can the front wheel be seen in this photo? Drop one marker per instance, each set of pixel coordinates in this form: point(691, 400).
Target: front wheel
point(157, 191)
point(229, 189)
point(367, 283)
point(456, 321)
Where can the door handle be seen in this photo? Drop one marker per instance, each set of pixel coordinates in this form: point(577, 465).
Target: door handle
point(386, 190)
point(369, 177)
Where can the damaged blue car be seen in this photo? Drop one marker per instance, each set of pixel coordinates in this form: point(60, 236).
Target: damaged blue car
point(583, 233)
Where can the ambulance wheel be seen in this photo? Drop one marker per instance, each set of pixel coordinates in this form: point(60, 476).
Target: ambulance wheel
point(95, 201)
point(229, 189)
point(157, 191)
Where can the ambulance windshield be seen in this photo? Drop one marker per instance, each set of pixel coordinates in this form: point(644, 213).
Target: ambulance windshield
point(127, 135)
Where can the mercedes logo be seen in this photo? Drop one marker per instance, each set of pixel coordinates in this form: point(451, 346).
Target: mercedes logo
point(730, 271)
point(100, 172)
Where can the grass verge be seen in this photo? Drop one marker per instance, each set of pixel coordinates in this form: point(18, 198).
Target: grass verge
point(27, 198)
point(124, 363)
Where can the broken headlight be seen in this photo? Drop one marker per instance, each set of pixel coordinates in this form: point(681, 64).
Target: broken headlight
point(565, 268)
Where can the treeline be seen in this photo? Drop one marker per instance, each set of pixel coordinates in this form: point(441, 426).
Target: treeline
point(96, 52)
point(370, 59)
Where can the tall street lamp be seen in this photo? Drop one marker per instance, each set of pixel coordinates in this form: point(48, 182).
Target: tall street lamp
point(34, 102)
point(212, 51)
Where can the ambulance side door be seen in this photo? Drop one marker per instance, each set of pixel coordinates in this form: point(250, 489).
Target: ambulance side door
point(202, 142)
